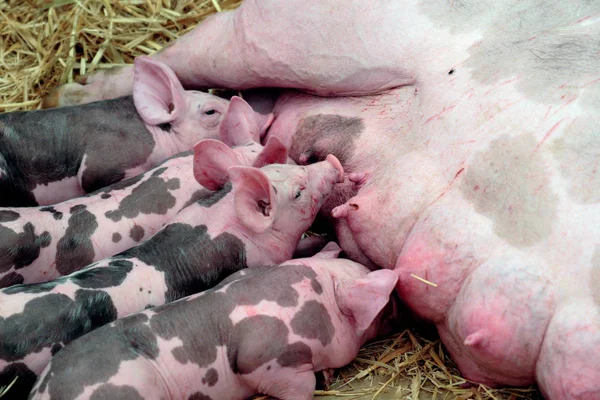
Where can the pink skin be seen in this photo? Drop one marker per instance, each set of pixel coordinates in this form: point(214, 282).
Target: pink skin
point(161, 101)
point(345, 286)
point(481, 168)
point(239, 127)
point(268, 209)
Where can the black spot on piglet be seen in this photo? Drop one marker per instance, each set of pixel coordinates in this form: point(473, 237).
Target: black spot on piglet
point(20, 249)
point(56, 214)
point(11, 279)
point(91, 361)
point(199, 396)
point(8, 216)
point(113, 392)
point(75, 249)
point(136, 233)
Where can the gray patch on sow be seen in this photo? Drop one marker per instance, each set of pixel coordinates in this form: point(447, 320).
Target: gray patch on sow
point(544, 36)
point(509, 184)
point(323, 134)
point(578, 154)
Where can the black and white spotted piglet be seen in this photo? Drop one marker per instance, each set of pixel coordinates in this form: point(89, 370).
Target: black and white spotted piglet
point(257, 219)
point(38, 244)
point(264, 330)
point(48, 156)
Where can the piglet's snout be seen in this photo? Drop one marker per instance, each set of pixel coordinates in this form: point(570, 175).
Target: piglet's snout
point(338, 167)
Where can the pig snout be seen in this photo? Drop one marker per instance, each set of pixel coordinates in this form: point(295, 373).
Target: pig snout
point(328, 172)
point(333, 160)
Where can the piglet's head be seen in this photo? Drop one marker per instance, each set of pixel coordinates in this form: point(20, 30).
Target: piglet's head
point(242, 125)
point(370, 302)
point(212, 159)
point(367, 299)
point(281, 201)
point(162, 103)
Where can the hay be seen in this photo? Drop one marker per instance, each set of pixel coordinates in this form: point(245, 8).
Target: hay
point(44, 43)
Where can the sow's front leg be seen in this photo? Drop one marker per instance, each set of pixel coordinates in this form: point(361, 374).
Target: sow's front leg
point(242, 49)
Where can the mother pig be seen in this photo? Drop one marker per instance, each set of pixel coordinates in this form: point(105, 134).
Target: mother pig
point(50, 156)
point(477, 125)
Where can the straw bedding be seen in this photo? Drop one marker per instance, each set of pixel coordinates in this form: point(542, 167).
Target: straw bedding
point(44, 43)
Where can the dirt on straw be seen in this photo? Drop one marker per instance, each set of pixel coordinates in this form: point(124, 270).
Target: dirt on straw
point(45, 43)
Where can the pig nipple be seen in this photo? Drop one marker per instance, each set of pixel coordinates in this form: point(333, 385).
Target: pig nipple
point(344, 210)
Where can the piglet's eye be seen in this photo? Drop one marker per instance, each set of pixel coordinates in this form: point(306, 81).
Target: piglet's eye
point(210, 111)
point(298, 194)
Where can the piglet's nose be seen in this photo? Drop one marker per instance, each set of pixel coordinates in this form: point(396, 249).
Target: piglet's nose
point(337, 165)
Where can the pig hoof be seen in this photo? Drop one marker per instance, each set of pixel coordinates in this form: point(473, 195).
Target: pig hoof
point(343, 210)
point(325, 378)
point(81, 79)
point(69, 94)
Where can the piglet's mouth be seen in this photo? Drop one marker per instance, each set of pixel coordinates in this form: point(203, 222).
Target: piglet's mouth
point(337, 165)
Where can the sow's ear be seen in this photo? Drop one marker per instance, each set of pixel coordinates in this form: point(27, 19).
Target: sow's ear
point(274, 152)
point(242, 125)
point(212, 159)
point(157, 93)
point(254, 200)
point(364, 298)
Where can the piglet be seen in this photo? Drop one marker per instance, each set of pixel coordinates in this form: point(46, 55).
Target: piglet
point(48, 156)
point(38, 244)
point(264, 330)
point(256, 219)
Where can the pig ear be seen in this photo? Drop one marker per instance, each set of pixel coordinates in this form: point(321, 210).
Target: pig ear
point(274, 152)
point(157, 93)
point(254, 198)
point(364, 298)
point(212, 160)
point(241, 124)
point(329, 252)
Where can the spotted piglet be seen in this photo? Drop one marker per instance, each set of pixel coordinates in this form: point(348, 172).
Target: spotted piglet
point(255, 219)
point(38, 244)
point(263, 330)
point(48, 156)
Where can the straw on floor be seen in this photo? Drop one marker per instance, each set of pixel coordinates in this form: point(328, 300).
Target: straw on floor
point(44, 43)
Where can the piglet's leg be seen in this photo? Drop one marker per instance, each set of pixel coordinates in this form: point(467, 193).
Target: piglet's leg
point(290, 384)
point(269, 43)
point(569, 363)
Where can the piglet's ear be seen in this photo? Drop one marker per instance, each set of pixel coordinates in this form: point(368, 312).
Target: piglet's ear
point(241, 124)
point(274, 152)
point(157, 93)
point(212, 160)
point(254, 199)
point(364, 298)
point(329, 252)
